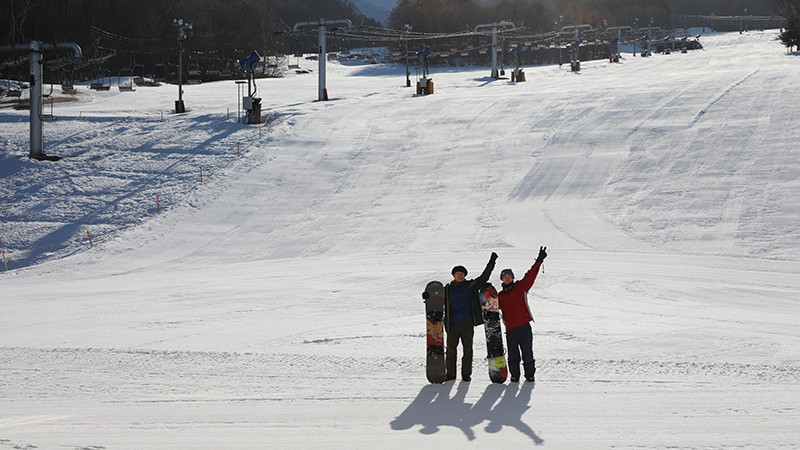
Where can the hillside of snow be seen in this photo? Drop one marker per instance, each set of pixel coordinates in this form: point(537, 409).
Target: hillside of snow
point(276, 303)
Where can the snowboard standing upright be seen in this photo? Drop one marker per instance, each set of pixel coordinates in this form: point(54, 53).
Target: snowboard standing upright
point(434, 312)
point(494, 336)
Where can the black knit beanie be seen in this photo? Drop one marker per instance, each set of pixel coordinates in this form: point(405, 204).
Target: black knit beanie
point(459, 269)
point(506, 271)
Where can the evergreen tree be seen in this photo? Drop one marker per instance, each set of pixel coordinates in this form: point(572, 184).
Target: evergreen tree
point(790, 9)
point(791, 34)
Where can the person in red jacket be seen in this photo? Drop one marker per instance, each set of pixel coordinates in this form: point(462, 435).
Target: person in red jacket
point(517, 317)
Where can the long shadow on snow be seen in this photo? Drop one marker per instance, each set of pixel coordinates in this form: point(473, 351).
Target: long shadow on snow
point(433, 408)
point(59, 239)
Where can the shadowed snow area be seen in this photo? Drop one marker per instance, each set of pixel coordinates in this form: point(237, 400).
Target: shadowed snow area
point(277, 302)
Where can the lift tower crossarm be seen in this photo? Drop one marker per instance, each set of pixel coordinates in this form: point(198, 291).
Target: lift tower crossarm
point(322, 22)
point(76, 49)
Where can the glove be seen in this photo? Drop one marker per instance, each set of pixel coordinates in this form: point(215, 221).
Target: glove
point(542, 254)
point(493, 258)
point(425, 295)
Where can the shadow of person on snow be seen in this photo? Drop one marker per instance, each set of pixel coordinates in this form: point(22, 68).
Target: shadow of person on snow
point(482, 409)
point(433, 408)
point(511, 408)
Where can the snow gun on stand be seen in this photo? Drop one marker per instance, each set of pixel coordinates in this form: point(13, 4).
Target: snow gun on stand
point(518, 75)
point(250, 103)
point(574, 48)
point(646, 46)
point(615, 56)
point(425, 83)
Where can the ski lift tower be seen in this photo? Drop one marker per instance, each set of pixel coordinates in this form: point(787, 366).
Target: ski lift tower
point(617, 54)
point(322, 28)
point(494, 26)
point(648, 39)
point(576, 63)
point(35, 50)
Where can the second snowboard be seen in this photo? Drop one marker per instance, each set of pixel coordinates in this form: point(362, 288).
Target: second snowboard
point(496, 357)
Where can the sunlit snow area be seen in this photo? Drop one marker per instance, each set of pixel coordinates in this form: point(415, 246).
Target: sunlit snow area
point(276, 303)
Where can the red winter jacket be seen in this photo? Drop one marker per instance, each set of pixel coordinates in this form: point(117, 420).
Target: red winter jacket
point(514, 304)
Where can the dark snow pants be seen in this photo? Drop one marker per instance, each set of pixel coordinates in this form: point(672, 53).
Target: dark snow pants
point(521, 339)
point(464, 332)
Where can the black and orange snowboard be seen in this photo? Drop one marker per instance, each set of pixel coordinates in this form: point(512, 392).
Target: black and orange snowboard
point(434, 313)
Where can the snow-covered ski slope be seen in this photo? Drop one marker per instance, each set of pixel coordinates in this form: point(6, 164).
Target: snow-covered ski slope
point(277, 304)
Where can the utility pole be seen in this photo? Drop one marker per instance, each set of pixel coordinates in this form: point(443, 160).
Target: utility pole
point(184, 30)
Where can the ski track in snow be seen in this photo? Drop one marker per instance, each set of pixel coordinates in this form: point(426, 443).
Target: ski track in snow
point(113, 375)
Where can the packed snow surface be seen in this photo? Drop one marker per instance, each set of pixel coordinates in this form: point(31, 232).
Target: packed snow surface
point(276, 303)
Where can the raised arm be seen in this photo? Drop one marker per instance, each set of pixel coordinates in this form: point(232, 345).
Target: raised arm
point(527, 281)
point(487, 272)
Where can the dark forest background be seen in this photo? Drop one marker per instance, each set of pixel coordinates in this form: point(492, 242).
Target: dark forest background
point(147, 25)
point(142, 31)
point(243, 23)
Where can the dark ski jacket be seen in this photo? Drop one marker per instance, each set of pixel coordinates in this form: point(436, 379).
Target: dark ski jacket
point(473, 287)
point(514, 302)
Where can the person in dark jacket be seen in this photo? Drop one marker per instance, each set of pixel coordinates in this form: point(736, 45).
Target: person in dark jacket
point(462, 313)
point(517, 318)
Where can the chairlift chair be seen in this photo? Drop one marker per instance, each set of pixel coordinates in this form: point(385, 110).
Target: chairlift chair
point(100, 84)
point(97, 83)
point(138, 74)
point(172, 73)
point(126, 86)
point(49, 95)
point(296, 64)
point(160, 73)
point(15, 92)
point(106, 77)
point(194, 72)
point(66, 82)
